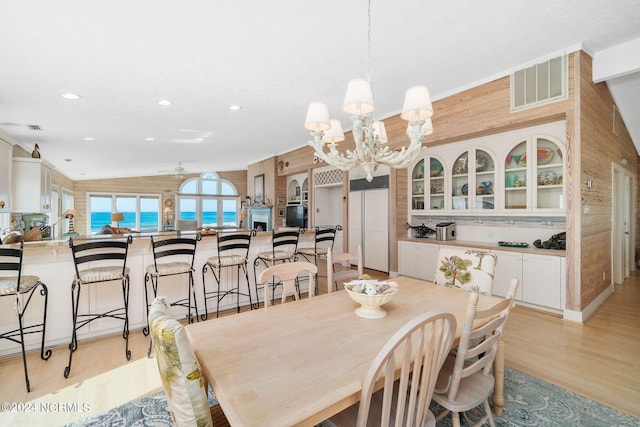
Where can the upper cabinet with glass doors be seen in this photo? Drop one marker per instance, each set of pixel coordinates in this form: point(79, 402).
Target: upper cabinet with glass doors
point(427, 189)
point(472, 181)
point(534, 175)
point(517, 172)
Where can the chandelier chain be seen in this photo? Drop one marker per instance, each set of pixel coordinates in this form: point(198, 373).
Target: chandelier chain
point(369, 74)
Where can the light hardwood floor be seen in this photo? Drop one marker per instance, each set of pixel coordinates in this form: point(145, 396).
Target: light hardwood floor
point(598, 360)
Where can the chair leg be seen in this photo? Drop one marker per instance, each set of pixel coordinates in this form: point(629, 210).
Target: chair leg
point(125, 331)
point(255, 281)
point(73, 345)
point(488, 415)
point(204, 292)
point(455, 419)
point(192, 285)
point(44, 291)
point(24, 355)
point(147, 278)
point(246, 275)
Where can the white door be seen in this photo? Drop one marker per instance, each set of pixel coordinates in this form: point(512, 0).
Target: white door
point(376, 229)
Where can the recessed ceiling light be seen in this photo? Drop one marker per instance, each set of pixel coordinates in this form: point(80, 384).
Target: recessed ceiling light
point(164, 102)
point(199, 139)
point(70, 96)
point(89, 138)
point(149, 139)
point(234, 107)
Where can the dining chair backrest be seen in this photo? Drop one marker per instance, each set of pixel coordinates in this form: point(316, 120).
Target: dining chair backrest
point(288, 273)
point(179, 372)
point(467, 269)
point(175, 248)
point(100, 259)
point(351, 258)
point(469, 381)
point(414, 355)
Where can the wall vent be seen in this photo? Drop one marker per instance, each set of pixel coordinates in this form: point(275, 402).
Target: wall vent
point(540, 84)
point(328, 177)
point(34, 127)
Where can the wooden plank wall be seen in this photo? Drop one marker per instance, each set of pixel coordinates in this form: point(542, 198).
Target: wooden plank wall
point(599, 148)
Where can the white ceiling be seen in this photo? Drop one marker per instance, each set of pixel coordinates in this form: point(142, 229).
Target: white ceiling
point(270, 57)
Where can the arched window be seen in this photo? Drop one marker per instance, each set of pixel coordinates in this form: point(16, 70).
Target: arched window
point(213, 201)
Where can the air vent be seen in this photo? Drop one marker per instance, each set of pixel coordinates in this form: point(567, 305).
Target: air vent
point(34, 127)
point(330, 177)
point(540, 84)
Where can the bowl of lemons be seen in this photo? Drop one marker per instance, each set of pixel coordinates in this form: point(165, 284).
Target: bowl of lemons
point(371, 295)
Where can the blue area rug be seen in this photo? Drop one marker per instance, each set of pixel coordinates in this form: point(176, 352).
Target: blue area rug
point(529, 402)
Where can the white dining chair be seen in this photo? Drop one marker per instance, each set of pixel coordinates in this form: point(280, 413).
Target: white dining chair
point(414, 355)
point(287, 274)
point(467, 269)
point(466, 380)
point(342, 273)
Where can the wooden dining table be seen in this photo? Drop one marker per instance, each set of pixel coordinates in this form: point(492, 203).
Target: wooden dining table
point(301, 362)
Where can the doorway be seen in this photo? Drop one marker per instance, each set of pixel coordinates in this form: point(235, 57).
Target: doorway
point(623, 226)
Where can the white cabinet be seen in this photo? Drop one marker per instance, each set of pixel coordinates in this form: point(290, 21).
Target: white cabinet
point(31, 185)
point(518, 172)
point(417, 260)
point(6, 159)
point(542, 278)
point(509, 266)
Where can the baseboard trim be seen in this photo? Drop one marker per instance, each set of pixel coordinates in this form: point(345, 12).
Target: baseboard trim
point(582, 316)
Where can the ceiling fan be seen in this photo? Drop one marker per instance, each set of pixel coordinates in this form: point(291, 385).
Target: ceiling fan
point(178, 171)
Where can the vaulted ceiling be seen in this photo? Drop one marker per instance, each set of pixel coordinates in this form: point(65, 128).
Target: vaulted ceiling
point(269, 58)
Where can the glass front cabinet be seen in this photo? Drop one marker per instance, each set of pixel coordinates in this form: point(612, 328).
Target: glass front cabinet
point(519, 172)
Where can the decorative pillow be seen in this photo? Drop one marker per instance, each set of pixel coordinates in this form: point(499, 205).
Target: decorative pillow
point(466, 269)
point(179, 372)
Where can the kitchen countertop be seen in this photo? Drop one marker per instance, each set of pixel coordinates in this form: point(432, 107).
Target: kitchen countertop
point(489, 245)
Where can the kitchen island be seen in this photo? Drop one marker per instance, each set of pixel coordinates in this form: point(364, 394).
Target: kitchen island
point(52, 261)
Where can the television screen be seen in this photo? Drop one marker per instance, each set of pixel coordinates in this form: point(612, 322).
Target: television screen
point(296, 216)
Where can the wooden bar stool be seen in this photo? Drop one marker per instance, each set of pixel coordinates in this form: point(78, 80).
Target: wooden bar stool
point(96, 262)
point(322, 243)
point(233, 251)
point(20, 287)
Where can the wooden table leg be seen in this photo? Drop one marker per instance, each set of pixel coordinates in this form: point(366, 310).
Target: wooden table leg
point(498, 374)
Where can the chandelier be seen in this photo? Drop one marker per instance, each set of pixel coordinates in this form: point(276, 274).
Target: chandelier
point(370, 136)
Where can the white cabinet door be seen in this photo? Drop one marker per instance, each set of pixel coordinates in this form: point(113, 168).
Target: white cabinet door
point(31, 186)
point(376, 229)
point(542, 280)
point(417, 259)
point(508, 266)
point(355, 220)
point(409, 259)
point(6, 158)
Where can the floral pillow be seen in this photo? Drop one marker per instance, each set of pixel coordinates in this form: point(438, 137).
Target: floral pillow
point(466, 269)
point(179, 371)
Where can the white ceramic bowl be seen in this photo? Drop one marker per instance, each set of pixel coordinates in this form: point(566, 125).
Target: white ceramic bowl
point(370, 305)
